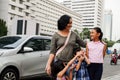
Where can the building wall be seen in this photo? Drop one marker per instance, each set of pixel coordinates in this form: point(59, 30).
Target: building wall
point(44, 12)
point(107, 28)
point(91, 11)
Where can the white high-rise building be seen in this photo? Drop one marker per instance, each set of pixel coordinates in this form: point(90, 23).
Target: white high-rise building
point(35, 16)
point(91, 11)
point(107, 28)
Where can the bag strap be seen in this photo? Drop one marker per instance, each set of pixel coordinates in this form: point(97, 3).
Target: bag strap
point(64, 44)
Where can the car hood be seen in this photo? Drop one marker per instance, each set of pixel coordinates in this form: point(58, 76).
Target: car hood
point(6, 52)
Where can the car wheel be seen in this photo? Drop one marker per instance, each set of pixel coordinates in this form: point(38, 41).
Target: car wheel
point(9, 74)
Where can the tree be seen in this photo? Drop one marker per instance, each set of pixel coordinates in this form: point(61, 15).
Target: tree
point(85, 34)
point(109, 42)
point(3, 28)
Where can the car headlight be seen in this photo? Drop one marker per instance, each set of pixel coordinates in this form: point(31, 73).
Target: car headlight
point(1, 53)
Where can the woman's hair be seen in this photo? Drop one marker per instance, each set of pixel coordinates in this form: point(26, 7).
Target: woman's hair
point(57, 67)
point(98, 30)
point(63, 21)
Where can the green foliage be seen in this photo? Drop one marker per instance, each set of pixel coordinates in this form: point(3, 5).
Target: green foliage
point(3, 28)
point(109, 43)
point(118, 41)
point(85, 34)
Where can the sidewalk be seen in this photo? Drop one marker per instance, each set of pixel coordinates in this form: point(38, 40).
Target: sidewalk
point(115, 77)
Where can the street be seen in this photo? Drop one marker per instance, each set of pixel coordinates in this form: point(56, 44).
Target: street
point(109, 70)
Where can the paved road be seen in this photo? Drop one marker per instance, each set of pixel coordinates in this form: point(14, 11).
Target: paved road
point(109, 70)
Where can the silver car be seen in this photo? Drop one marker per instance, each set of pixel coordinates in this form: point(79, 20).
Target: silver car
point(23, 56)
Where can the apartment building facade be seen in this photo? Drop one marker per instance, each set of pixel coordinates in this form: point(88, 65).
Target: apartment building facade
point(108, 21)
point(91, 11)
point(35, 16)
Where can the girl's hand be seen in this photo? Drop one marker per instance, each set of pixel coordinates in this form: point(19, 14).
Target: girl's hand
point(81, 58)
point(72, 66)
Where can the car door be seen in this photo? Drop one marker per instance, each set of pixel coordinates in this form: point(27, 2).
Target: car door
point(32, 62)
point(45, 52)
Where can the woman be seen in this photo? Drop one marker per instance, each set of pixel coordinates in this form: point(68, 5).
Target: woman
point(58, 40)
point(96, 50)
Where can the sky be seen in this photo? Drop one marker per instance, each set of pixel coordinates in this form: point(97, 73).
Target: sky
point(113, 5)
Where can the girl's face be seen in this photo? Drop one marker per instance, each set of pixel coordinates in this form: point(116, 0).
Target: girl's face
point(94, 35)
point(69, 25)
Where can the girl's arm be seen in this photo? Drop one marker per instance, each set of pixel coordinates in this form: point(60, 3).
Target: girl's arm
point(87, 51)
point(86, 59)
point(79, 63)
point(104, 50)
point(61, 73)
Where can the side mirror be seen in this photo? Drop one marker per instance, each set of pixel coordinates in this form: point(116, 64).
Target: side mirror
point(27, 49)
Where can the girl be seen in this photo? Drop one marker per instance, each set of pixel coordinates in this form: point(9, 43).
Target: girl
point(81, 67)
point(96, 50)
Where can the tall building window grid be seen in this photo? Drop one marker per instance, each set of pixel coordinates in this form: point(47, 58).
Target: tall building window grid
point(13, 0)
point(13, 7)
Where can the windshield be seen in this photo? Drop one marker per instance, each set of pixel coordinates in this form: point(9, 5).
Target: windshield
point(8, 42)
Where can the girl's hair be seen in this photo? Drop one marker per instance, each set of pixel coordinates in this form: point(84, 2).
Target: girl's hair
point(98, 30)
point(63, 21)
point(57, 67)
point(75, 50)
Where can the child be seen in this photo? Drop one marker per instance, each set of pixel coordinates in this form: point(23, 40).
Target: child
point(60, 68)
point(96, 50)
point(81, 68)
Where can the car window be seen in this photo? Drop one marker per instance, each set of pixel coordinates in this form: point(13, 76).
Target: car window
point(8, 40)
point(47, 43)
point(35, 44)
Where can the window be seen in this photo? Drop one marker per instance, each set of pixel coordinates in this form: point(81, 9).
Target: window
point(12, 7)
point(21, 1)
point(47, 44)
point(28, 0)
point(38, 44)
point(19, 26)
point(20, 9)
point(27, 14)
point(14, 0)
point(27, 7)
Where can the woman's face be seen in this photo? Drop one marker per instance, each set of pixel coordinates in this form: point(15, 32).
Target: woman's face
point(94, 35)
point(69, 25)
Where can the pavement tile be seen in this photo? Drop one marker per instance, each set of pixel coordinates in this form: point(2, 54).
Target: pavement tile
point(115, 77)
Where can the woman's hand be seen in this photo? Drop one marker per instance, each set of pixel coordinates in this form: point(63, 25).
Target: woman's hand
point(48, 69)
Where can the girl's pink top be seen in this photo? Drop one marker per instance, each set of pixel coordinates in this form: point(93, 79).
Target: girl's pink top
point(95, 51)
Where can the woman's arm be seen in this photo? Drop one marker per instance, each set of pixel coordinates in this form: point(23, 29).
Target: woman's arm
point(80, 41)
point(52, 55)
point(48, 65)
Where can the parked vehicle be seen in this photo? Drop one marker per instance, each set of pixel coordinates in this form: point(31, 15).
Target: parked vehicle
point(23, 56)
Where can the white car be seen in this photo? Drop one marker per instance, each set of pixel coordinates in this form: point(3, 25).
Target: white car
point(23, 56)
